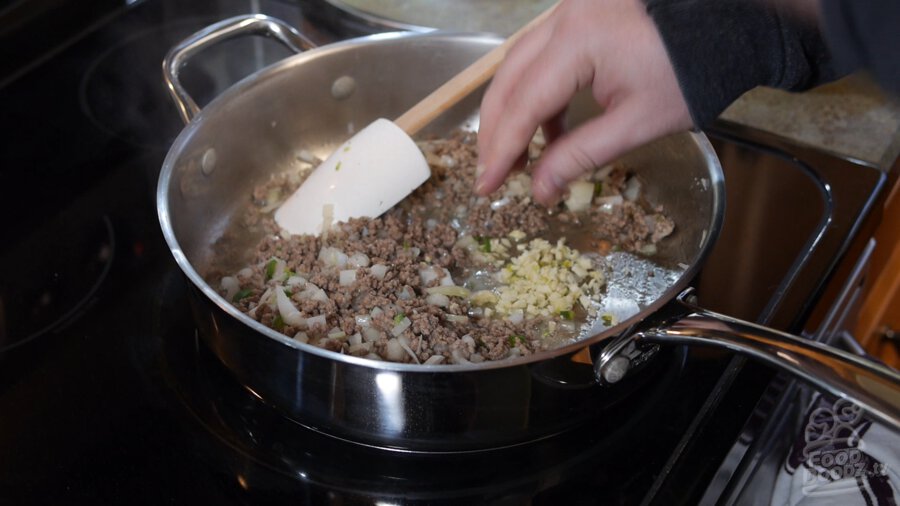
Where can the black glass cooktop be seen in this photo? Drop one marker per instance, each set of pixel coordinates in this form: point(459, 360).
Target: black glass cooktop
point(107, 396)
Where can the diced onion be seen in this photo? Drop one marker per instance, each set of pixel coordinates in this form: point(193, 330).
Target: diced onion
point(336, 333)
point(632, 189)
point(231, 286)
point(607, 203)
point(267, 298)
point(435, 359)
point(376, 311)
point(498, 204)
point(448, 161)
point(358, 260)
point(449, 291)
point(428, 274)
point(302, 337)
point(288, 311)
point(516, 317)
point(457, 318)
point(518, 185)
point(360, 348)
point(437, 299)
point(404, 324)
point(394, 351)
point(262, 300)
point(378, 270)
point(295, 281)
point(355, 339)
point(280, 271)
point(347, 277)
point(333, 257)
point(314, 321)
point(313, 292)
point(405, 344)
point(580, 195)
point(458, 357)
point(363, 320)
point(371, 334)
point(467, 242)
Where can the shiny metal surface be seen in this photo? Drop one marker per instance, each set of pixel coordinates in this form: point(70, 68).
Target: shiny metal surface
point(495, 16)
point(873, 386)
point(256, 128)
point(215, 34)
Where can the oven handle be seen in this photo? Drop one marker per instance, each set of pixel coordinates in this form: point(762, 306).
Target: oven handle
point(253, 24)
point(873, 386)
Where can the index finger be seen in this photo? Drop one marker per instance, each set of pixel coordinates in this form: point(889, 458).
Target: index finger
point(507, 77)
point(541, 89)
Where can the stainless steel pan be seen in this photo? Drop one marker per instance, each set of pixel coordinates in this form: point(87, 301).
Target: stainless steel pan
point(256, 128)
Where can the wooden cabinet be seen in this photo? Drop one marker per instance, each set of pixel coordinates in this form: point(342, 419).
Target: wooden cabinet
point(880, 310)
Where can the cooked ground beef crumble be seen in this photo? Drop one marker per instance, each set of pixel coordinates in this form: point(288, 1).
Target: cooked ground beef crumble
point(430, 281)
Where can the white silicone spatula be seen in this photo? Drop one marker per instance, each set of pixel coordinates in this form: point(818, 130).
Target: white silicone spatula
point(380, 165)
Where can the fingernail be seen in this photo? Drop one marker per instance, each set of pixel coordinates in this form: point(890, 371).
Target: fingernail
point(548, 191)
point(544, 191)
point(479, 183)
point(479, 186)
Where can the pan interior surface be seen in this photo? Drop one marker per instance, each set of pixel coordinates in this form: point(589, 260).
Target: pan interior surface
point(272, 120)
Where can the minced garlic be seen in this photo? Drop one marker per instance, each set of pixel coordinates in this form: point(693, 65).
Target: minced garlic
point(546, 280)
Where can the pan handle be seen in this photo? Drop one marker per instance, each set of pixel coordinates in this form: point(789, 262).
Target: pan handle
point(874, 387)
point(253, 24)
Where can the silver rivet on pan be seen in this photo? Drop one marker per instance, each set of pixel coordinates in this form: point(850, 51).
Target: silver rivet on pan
point(208, 162)
point(343, 87)
point(616, 369)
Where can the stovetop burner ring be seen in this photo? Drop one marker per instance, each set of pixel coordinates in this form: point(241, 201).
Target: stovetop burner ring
point(121, 91)
point(47, 295)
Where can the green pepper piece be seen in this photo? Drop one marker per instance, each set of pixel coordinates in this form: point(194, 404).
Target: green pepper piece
point(270, 268)
point(241, 294)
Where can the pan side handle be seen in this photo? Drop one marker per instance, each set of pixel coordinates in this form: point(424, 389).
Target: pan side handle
point(874, 387)
point(252, 24)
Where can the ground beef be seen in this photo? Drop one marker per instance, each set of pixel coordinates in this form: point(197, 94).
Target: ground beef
point(439, 235)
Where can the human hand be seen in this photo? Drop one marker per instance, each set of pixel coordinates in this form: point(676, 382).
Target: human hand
point(609, 46)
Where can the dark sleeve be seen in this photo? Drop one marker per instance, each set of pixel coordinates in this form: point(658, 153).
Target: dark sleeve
point(865, 34)
point(723, 48)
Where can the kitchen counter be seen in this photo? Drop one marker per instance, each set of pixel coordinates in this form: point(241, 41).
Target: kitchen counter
point(850, 117)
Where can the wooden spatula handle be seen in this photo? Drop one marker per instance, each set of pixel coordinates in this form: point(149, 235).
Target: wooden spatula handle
point(462, 84)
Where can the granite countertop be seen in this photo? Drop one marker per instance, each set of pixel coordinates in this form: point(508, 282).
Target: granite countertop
point(850, 117)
